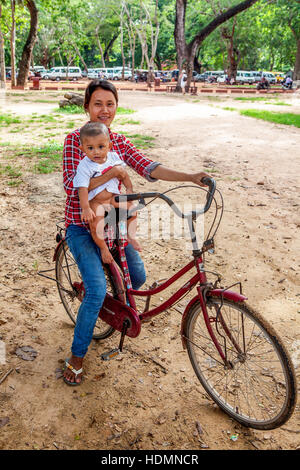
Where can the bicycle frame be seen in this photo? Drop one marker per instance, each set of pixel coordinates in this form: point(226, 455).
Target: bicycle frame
point(115, 313)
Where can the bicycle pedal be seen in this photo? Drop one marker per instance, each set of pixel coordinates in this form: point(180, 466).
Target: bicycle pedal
point(107, 356)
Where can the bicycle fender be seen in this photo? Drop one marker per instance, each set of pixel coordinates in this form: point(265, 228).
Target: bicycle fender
point(57, 248)
point(226, 294)
point(184, 317)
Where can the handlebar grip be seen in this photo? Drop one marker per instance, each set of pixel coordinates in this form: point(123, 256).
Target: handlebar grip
point(127, 197)
point(207, 180)
point(210, 182)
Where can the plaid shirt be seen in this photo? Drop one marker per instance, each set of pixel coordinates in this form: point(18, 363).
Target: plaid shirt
point(72, 155)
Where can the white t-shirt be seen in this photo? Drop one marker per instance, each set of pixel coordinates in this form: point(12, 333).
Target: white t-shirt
point(88, 169)
point(183, 80)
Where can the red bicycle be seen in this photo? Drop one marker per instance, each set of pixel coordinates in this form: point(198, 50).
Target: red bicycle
point(235, 353)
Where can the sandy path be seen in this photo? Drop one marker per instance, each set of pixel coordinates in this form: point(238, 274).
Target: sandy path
point(132, 403)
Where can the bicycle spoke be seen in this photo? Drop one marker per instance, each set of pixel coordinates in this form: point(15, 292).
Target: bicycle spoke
point(254, 383)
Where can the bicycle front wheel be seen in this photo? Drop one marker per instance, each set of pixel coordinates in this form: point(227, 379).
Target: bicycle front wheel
point(71, 288)
point(257, 385)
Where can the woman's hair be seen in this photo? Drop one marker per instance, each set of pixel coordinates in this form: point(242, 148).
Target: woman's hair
point(94, 85)
point(92, 129)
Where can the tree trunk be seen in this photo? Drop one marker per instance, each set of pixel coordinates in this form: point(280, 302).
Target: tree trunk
point(76, 48)
point(296, 75)
point(109, 46)
point(99, 45)
point(187, 52)
point(13, 43)
point(2, 57)
point(27, 51)
point(122, 43)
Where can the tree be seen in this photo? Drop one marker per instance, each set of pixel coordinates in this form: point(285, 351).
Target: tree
point(2, 55)
point(289, 11)
point(147, 28)
point(24, 63)
point(186, 52)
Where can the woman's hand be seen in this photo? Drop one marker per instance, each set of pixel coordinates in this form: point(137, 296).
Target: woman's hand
point(197, 178)
point(119, 172)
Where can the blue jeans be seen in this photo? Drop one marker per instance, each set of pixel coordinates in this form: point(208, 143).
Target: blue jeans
point(88, 258)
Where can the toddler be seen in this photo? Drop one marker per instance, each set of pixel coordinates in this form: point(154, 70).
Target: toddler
point(96, 144)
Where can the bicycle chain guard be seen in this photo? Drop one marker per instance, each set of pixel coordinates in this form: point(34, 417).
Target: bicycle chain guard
point(115, 313)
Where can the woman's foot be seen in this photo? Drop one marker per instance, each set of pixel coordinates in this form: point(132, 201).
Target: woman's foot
point(73, 364)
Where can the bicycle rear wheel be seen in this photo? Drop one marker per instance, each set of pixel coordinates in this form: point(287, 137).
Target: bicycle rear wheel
point(71, 288)
point(257, 387)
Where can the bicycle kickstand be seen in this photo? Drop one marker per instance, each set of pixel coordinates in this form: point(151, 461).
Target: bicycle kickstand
point(114, 352)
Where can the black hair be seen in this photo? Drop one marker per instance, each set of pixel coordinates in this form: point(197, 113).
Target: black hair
point(94, 85)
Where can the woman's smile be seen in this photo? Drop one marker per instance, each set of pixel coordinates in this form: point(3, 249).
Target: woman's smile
point(102, 107)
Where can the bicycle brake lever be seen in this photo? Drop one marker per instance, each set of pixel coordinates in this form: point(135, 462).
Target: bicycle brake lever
point(141, 204)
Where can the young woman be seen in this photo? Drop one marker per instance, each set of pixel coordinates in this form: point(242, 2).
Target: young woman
point(100, 103)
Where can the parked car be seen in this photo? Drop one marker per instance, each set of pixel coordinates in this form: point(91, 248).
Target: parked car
point(212, 75)
point(45, 75)
point(117, 74)
point(39, 68)
point(244, 77)
point(92, 73)
point(270, 77)
point(256, 75)
point(222, 78)
point(61, 73)
point(279, 76)
point(201, 77)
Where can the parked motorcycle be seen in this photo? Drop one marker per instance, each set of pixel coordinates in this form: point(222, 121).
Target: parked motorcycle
point(287, 85)
point(263, 85)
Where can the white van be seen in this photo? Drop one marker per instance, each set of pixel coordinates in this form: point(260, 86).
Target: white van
point(270, 77)
point(244, 77)
point(60, 73)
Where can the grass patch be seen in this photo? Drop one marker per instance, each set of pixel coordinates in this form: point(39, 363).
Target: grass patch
point(124, 121)
point(141, 141)
point(254, 98)
point(72, 109)
point(43, 159)
point(229, 108)
point(7, 119)
point(288, 119)
point(13, 174)
point(45, 166)
point(121, 110)
point(279, 103)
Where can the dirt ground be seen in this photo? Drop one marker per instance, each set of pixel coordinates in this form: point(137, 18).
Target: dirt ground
point(148, 397)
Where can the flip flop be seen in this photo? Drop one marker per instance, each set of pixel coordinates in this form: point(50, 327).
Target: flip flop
point(75, 372)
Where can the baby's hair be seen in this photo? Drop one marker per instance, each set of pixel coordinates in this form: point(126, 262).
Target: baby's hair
point(92, 129)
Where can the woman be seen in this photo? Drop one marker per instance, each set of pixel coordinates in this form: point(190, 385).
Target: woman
point(182, 80)
point(100, 102)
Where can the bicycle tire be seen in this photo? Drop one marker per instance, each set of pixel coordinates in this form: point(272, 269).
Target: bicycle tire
point(71, 289)
point(259, 391)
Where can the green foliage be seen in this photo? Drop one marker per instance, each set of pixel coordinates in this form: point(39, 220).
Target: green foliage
point(289, 119)
point(7, 119)
point(265, 35)
point(141, 141)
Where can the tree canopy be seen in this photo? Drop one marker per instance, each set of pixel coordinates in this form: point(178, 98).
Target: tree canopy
point(203, 34)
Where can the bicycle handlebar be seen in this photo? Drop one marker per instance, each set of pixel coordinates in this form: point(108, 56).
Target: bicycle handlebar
point(210, 182)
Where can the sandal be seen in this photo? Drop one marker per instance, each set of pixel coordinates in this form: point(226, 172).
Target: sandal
point(75, 372)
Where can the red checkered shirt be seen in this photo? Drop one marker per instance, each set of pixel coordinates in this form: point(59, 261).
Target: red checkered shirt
point(72, 155)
